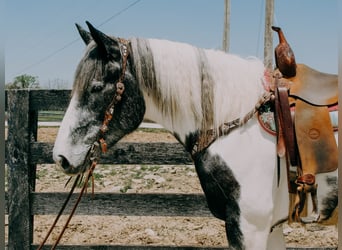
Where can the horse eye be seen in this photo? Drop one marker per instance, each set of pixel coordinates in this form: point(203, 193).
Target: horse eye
point(96, 87)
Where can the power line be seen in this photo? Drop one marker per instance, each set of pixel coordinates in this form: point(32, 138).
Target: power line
point(119, 13)
point(48, 56)
point(50, 35)
point(262, 2)
point(74, 41)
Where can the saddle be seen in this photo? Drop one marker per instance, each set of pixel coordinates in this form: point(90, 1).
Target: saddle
point(306, 138)
point(314, 87)
point(311, 93)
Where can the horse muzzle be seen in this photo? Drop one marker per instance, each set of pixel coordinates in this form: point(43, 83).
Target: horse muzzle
point(92, 155)
point(66, 167)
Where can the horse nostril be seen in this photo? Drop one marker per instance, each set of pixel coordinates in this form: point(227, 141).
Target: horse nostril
point(63, 162)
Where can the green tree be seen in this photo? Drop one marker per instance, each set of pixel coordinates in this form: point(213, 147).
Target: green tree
point(23, 82)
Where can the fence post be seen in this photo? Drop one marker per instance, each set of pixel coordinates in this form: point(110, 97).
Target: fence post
point(22, 129)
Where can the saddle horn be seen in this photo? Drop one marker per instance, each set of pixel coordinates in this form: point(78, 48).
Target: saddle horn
point(85, 35)
point(284, 56)
point(108, 47)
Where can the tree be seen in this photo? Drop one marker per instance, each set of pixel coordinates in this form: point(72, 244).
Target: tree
point(24, 82)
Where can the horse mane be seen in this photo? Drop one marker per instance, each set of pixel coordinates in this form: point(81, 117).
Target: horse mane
point(179, 77)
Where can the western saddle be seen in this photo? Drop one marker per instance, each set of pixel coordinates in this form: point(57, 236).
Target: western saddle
point(306, 139)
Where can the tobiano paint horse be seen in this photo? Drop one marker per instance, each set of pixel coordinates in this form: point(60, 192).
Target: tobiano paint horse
point(188, 90)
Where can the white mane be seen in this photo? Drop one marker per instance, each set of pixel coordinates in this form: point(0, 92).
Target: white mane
point(202, 88)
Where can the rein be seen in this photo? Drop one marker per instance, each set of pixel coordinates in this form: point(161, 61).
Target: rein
point(94, 152)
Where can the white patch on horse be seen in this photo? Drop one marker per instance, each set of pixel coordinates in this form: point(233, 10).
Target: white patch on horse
point(257, 198)
point(178, 71)
point(65, 143)
point(174, 98)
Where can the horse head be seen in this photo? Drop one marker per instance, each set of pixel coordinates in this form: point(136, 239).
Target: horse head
point(106, 63)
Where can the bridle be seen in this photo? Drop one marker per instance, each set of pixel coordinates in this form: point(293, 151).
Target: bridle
point(120, 88)
point(97, 147)
point(94, 154)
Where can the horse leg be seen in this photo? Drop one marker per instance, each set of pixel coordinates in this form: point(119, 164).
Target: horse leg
point(232, 225)
point(222, 192)
point(247, 227)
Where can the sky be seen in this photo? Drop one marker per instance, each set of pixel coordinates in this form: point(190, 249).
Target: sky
point(42, 41)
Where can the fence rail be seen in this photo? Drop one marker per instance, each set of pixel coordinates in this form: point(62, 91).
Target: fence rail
point(23, 153)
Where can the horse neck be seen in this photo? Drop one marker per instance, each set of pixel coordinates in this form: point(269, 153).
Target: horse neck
point(187, 89)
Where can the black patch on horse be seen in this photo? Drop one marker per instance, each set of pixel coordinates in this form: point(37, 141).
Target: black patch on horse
point(222, 192)
point(330, 202)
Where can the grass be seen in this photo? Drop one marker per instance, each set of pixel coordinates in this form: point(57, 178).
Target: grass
point(127, 185)
point(50, 116)
point(41, 173)
point(149, 168)
point(129, 175)
point(117, 178)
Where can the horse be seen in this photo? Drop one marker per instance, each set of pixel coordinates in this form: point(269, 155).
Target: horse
point(205, 98)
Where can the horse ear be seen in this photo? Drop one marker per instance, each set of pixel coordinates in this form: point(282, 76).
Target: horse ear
point(108, 46)
point(85, 35)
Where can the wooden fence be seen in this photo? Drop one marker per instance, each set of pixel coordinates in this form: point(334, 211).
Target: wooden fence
point(23, 153)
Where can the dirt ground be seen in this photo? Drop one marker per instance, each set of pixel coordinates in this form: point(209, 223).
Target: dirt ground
point(151, 230)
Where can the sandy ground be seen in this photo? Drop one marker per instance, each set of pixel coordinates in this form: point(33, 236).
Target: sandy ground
point(151, 230)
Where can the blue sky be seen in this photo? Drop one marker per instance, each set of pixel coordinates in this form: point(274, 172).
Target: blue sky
point(41, 38)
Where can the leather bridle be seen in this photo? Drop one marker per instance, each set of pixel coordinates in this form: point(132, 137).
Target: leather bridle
point(99, 145)
point(120, 88)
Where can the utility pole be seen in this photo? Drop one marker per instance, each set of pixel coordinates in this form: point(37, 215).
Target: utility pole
point(226, 28)
point(268, 38)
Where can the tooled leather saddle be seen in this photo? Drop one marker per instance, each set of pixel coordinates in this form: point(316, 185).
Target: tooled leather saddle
point(311, 93)
point(306, 139)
